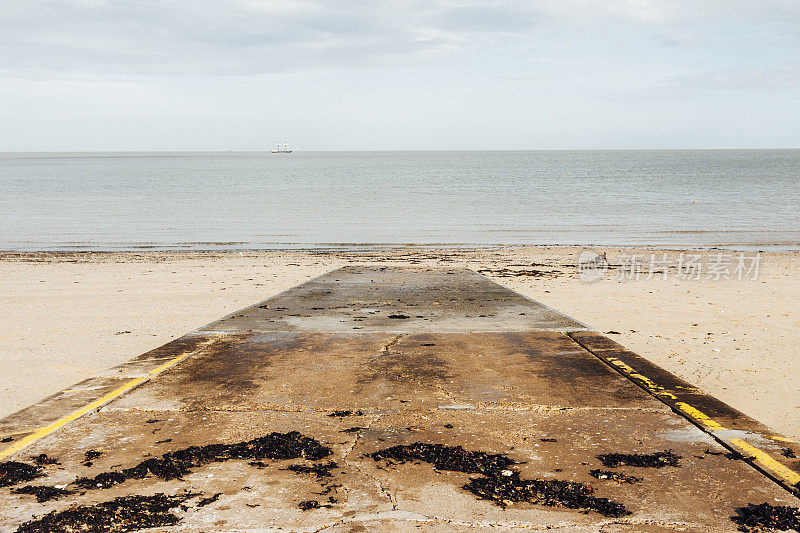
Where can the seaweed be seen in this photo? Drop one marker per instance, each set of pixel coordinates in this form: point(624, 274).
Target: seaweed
point(13, 472)
point(619, 477)
point(755, 518)
point(644, 460)
point(43, 493)
point(42, 459)
point(319, 470)
point(498, 483)
point(174, 465)
point(126, 513)
point(210, 499)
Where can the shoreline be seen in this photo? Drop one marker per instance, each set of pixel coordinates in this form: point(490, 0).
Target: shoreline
point(74, 314)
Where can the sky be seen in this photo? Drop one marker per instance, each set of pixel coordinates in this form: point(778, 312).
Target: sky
point(106, 75)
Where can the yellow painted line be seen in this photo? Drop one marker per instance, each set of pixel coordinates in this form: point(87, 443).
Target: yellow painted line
point(651, 386)
point(175, 360)
point(50, 428)
point(782, 439)
point(43, 432)
point(780, 471)
point(699, 416)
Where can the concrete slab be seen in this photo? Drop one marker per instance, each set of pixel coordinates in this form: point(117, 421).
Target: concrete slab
point(401, 300)
point(535, 394)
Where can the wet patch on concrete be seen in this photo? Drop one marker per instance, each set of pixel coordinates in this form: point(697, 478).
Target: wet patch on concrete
point(499, 483)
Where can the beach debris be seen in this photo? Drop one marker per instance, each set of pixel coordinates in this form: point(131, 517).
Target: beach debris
point(354, 429)
point(508, 273)
point(6, 439)
point(209, 500)
point(126, 513)
point(644, 460)
point(173, 465)
point(42, 459)
point(449, 426)
point(344, 412)
point(319, 470)
point(548, 439)
point(754, 518)
point(619, 477)
point(787, 452)
point(43, 493)
point(13, 472)
point(398, 317)
point(613, 332)
point(311, 504)
point(499, 483)
point(89, 456)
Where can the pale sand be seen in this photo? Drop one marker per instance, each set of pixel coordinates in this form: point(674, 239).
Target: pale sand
point(68, 316)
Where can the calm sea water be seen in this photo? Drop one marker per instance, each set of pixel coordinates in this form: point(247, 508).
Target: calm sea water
point(106, 201)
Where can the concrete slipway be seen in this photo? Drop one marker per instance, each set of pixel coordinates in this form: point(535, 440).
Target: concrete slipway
point(414, 355)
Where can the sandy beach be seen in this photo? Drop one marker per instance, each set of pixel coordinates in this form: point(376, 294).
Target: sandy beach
point(68, 316)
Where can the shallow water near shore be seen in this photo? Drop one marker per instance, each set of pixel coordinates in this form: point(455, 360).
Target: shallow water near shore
point(745, 199)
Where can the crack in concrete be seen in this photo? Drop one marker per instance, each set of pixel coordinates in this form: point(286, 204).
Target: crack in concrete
point(385, 348)
point(346, 460)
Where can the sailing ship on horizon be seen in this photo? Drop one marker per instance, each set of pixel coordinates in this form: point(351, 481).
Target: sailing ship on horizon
point(281, 149)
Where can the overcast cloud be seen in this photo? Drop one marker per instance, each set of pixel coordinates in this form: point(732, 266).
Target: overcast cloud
point(236, 74)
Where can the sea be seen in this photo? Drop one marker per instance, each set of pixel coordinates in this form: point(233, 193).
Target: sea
point(739, 199)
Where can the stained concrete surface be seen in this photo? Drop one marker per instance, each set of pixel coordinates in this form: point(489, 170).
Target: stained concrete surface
point(505, 382)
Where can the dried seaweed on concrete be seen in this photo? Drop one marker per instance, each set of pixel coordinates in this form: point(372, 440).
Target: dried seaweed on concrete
point(444, 457)
point(311, 504)
point(764, 516)
point(13, 472)
point(43, 493)
point(645, 460)
point(42, 459)
point(619, 477)
point(508, 488)
point(500, 484)
point(319, 470)
point(209, 500)
point(173, 465)
point(127, 513)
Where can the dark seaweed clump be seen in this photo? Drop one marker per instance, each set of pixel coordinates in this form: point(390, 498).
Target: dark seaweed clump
point(442, 457)
point(765, 516)
point(43, 493)
point(498, 483)
point(13, 472)
point(127, 513)
point(619, 477)
point(646, 460)
point(172, 465)
point(319, 470)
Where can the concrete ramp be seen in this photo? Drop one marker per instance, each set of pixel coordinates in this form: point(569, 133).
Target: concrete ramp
point(389, 399)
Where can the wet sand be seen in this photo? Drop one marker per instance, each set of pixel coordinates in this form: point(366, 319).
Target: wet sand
point(68, 316)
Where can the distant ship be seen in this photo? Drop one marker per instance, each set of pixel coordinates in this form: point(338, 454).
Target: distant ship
point(284, 150)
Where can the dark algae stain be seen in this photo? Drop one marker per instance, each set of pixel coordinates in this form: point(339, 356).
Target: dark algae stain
point(13, 472)
point(127, 513)
point(766, 517)
point(645, 460)
point(172, 465)
point(498, 482)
